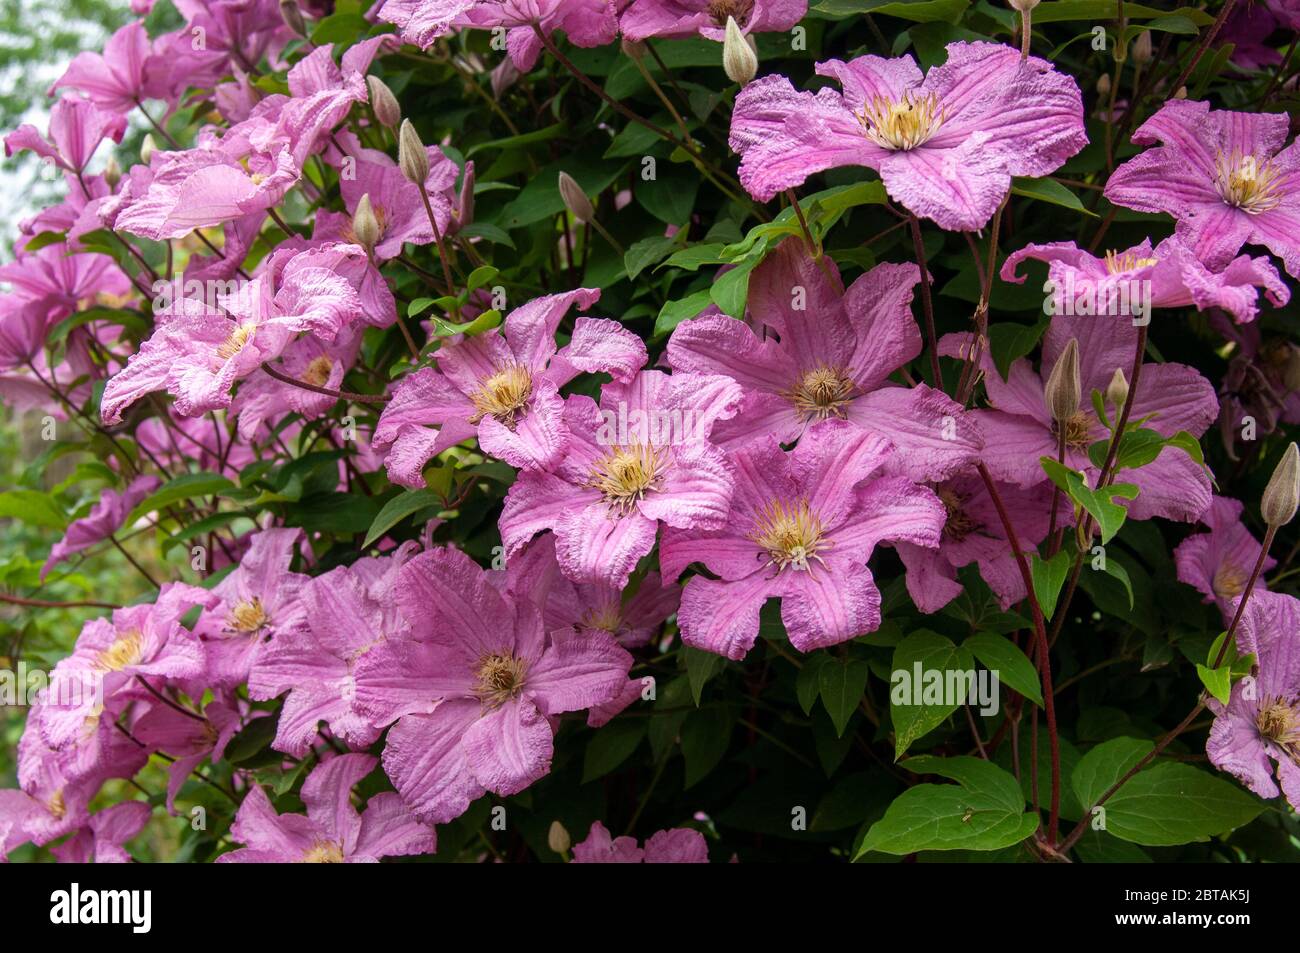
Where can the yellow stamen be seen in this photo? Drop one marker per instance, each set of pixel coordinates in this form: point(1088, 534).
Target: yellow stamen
point(821, 393)
point(123, 652)
point(500, 678)
point(503, 395)
point(626, 474)
point(1246, 183)
point(741, 10)
point(247, 617)
point(318, 371)
point(1078, 430)
point(233, 344)
point(902, 124)
point(1229, 581)
point(958, 524)
point(790, 534)
point(606, 618)
point(1117, 262)
point(56, 804)
point(1279, 722)
point(324, 852)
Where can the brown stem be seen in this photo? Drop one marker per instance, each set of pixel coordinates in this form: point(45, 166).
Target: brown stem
point(341, 394)
point(51, 604)
point(927, 306)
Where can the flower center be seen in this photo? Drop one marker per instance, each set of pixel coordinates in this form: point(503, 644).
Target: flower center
point(56, 804)
point(1279, 722)
point(959, 524)
point(626, 474)
point(902, 124)
point(1078, 430)
point(1229, 581)
point(318, 371)
point(1120, 262)
point(123, 652)
point(792, 535)
point(503, 395)
point(821, 393)
point(606, 618)
point(235, 342)
point(1246, 183)
point(500, 678)
point(324, 852)
point(247, 617)
point(719, 10)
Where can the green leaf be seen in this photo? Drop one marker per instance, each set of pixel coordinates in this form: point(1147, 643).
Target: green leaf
point(807, 684)
point(936, 656)
point(610, 746)
point(33, 507)
point(1008, 341)
point(1105, 764)
point(398, 509)
point(1099, 503)
point(645, 253)
point(985, 810)
point(1217, 681)
point(918, 11)
point(670, 196)
point(700, 667)
point(1093, 11)
point(1049, 575)
point(1051, 191)
point(705, 738)
point(1010, 664)
point(674, 313)
point(841, 683)
point(185, 487)
point(1173, 803)
point(730, 290)
point(1114, 569)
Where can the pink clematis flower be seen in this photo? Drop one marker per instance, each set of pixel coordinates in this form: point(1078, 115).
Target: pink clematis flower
point(474, 686)
point(252, 606)
point(396, 200)
point(1262, 381)
point(1020, 430)
point(421, 22)
point(102, 839)
point(1225, 176)
point(680, 845)
point(189, 740)
point(332, 832)
point(802, 527)
point(503, 387)
point(77, 127)
point(642, 457)
point(1260, 725)
point(262, 400)
point(831, 359)
point(350, 611)
point(1170, 274)
point(633, 621)
point(679, 19)
point(122, 77)
point(945, 145)
point(973, 533)
point(104, 519)
point(1219, 563)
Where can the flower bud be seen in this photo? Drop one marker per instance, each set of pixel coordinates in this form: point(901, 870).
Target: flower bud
point(147, 148)
point(1103, 85)
point(112, 173)
point(1117, 389)
point(383, 102)
point(1142, 52)
point(411, 155)
point(558, 839)
point(1282, 495)
point(739, 60)
point(365, 226)
point(575, 200)
point(292, 18)
point(1064, 387)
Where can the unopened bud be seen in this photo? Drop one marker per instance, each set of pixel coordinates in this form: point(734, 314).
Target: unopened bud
point(1142, 52)
point(292, 18)
point(575, 200)
point(411, 156)
point(1282, 495)
point(1117, 389)
point(147, 148)
point(365, 226)
point(112, 173)
point(1063, 385)
point(383, 102)
point(558, 839)
point(739, 60)
point(1103, 84)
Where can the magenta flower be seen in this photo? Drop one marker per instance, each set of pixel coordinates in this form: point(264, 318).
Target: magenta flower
point(1223, 175)
point(801, 528)
point(680, 845)
point(189, 740)
point(641, 457)
point(331, 832)
point(262, 400)
point(252, 606)
point(1260, 725)
point(1019, 430)
point(396, 200)
point(1170, 274)
point(350, 611)
point(831, 359)
point(973, 533)
point(1219, 563)
point(503, 387)
point(945, 145)
point(421, 22)
point(474, 685)
point(119, 79)
point(77, 127)
point(104, 519)
point(678, 19)
point(535, 574)
point(102, 839)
